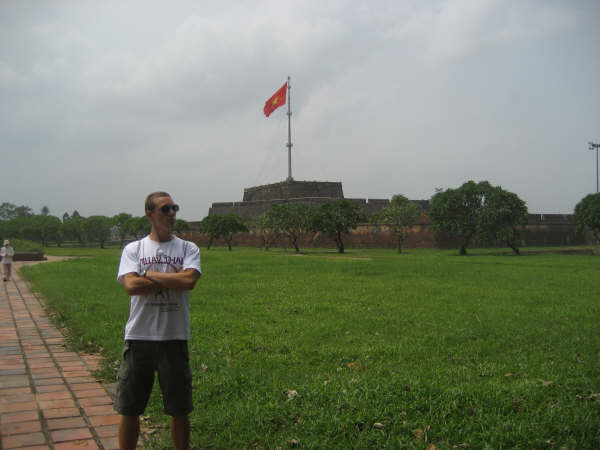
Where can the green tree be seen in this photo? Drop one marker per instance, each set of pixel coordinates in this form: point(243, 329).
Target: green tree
point(45, 211)
point(20, 227)
point(24, 211)
point(478, 209)
point(123, 223)
point(98, 228)
point(400, 215)
point(75, 229)
point(10, 211)
point(232, 224)
point(181, 226)
point(337, 218)
point(587, 215)
point(293, 219)
point(49, 228)
point(140, 226)
point(11, 228)
point(210, 225)
point(456, 212)
point(7, 211)
point(222, 226)
point(59, 238)
point(502, 214)
point(264, 225)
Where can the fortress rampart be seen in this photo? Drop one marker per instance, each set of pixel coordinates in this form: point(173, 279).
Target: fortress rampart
point(294, 189)
point(259, 199)
point(541, 229)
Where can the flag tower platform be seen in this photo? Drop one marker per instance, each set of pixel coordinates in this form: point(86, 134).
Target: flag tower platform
point(258, 200)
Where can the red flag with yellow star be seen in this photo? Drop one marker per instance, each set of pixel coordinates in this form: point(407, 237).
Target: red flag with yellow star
point(278, 99)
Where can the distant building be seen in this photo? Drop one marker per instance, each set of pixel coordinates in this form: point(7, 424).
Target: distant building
point(259, 199)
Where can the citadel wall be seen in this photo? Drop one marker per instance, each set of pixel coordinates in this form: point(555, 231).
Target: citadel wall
point(541, 229)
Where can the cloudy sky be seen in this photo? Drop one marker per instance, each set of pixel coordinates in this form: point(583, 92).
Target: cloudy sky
point(104, 102)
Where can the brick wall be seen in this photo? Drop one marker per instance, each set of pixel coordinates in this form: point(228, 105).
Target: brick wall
point(541, 230)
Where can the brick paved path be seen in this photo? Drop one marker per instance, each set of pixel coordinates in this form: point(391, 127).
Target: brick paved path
point(48, 398)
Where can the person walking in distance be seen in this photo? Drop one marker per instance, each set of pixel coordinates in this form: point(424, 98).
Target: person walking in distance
point(7, 253)
point(158, 272)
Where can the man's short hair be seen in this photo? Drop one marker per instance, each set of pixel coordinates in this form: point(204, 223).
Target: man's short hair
point(151, 197)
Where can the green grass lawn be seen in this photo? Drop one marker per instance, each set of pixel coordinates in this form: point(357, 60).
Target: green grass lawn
point(315, 351)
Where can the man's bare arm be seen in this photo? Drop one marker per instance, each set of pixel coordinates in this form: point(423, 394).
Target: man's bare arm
point(184, 280)
point(136, 285)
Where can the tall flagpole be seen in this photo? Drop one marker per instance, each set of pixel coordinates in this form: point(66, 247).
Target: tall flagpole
point(289, 143)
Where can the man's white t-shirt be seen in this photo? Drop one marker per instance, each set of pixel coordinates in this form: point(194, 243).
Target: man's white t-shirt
point(7, 254)
point(165, 315)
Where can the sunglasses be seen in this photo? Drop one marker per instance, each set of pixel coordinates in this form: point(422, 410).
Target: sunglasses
point(165, 209)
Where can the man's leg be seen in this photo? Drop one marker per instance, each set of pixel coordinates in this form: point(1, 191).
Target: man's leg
point(8, 270)
point(175, 380)
point(180, 432)
point(129, 431)
point(136, 376)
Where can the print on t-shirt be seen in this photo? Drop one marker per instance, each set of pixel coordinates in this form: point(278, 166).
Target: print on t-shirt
point(162, 263)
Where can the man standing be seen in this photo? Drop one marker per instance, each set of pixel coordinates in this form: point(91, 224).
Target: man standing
point(7, 253)
point(158, 272)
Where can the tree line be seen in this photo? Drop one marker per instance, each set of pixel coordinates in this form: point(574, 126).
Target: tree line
point(473, 212)
point(333, 219)
point(291, 220)
point(21, 222)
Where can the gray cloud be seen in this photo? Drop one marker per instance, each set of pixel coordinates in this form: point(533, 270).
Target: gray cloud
point(102, 103)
